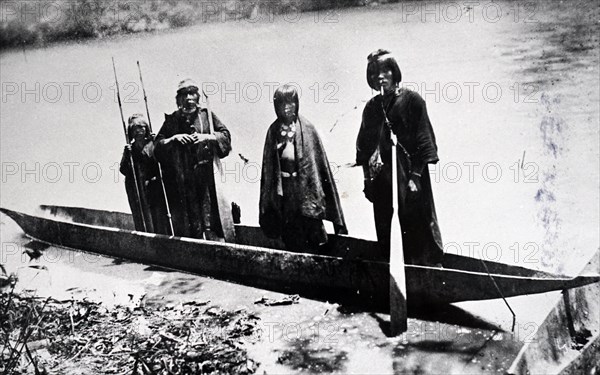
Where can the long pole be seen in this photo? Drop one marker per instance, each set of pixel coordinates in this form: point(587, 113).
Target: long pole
point(135, 180)
point(223, 205)
point(160, 173)
point(398, 311)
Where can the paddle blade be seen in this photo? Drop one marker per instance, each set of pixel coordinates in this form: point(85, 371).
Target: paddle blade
point(223, 204)
point(398, 312)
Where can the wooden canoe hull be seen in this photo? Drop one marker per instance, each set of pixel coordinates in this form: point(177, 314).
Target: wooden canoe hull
point(351, 278)
point(568, 340)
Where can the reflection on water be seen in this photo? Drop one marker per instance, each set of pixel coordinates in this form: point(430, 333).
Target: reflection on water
point(304, 355)
point(473, 352)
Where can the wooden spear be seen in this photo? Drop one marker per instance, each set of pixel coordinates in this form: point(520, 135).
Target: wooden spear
point(135, 180)
point(160, 173)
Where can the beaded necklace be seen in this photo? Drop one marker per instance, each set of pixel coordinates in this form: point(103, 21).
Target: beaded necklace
point(288, 131)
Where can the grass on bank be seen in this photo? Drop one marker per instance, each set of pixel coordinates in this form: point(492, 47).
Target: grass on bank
point(25, 23)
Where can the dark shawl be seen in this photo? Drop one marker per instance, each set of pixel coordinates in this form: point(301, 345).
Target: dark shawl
point(416, 148)
point(410, 122)
point(178, 163)
point(146, 170)
point(175, 123)
point(320, 199)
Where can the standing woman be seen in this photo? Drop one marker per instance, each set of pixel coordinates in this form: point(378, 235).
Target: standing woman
point(404, 112)
point(297, 190)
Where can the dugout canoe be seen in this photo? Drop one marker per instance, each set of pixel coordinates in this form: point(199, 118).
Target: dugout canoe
point(351, 270)
point(568, 340)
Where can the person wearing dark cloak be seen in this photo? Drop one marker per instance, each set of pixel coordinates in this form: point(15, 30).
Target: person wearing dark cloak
point(404, 112)
point(297, 189)
point(150, 205)
point(186, 148)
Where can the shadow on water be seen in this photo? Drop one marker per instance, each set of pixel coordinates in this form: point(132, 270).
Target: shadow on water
point(34, 249)
point(451, 314)
point(435, 346)
point(36, 245)
point(447, 314)
point(181, 285)
point(429, 356)
point(175, 290)
point(118, 262)
point(384, 324)
point(448, 350)
point(305, 355)
point(158, 269)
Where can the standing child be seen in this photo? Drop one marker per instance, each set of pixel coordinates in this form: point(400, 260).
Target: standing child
point(145, 199)
point(297, 190)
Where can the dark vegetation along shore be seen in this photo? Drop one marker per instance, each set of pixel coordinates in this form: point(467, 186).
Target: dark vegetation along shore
point(46, 336)
point(24, 22)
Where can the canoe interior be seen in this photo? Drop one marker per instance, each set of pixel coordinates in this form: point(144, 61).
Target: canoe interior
point(339, 246)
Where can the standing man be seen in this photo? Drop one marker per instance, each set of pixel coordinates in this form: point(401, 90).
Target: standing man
point(404, 112)
point(186, 148)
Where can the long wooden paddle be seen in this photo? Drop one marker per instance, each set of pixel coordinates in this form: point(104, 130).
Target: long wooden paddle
point(398, 312)
point(222, 203)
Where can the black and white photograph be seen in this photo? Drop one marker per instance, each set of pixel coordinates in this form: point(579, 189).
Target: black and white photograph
point(299, 187)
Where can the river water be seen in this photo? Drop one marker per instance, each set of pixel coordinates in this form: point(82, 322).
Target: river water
point(512, 91)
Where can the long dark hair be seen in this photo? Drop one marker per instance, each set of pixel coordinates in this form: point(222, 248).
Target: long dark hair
point(285, 94)
point(379, 59)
